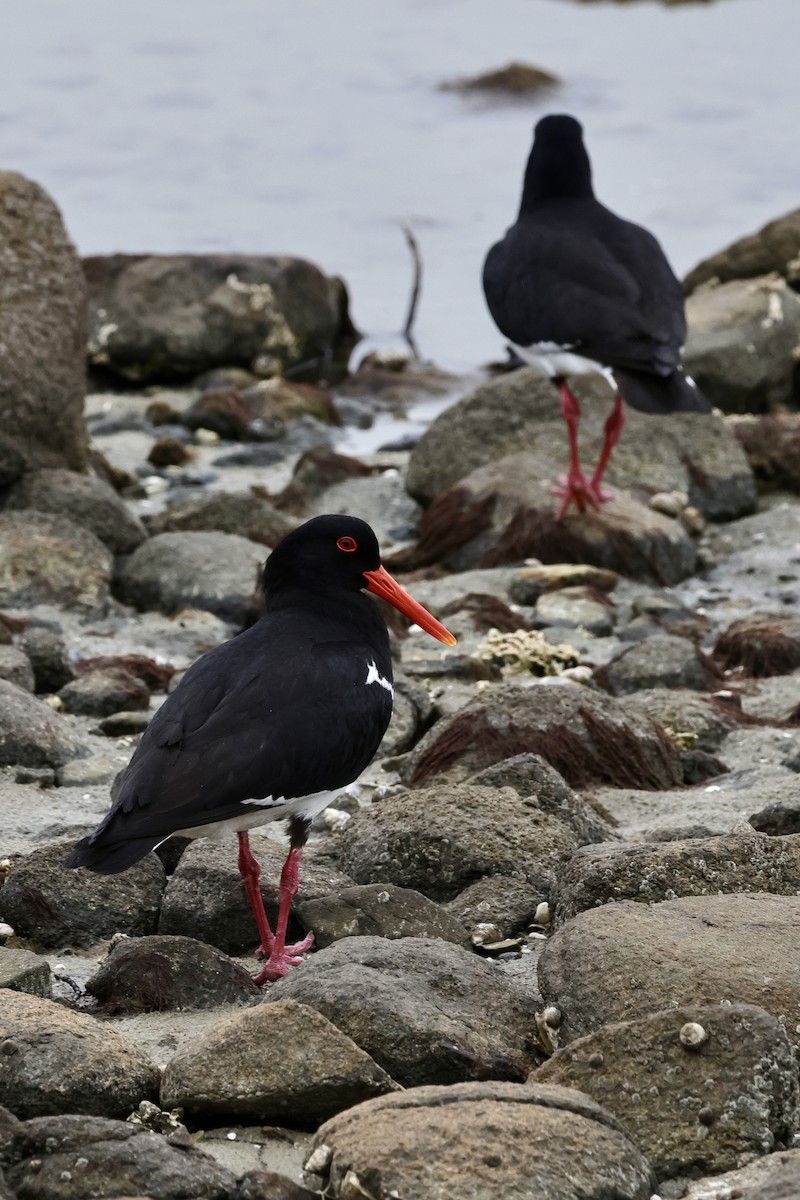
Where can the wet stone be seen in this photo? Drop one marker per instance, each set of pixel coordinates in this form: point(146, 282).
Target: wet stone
point(379, 910)
point(102, 692)
point(23, 971)
point(31, 734)
point(47, 652)
point(16, 668)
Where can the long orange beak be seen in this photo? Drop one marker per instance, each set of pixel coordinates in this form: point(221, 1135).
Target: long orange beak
point(380, 583)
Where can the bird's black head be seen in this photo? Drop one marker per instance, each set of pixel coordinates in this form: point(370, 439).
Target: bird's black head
point(558, 166)
point(334, 555)
point(325, 552)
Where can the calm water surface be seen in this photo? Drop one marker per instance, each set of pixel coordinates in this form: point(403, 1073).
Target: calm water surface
point(316, 128)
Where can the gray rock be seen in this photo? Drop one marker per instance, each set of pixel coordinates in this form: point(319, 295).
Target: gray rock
point(173, 316)
point(692, 950)
point(31, 734)
point(774, 698)
point(503, 900)
point(67, 1157)
point(153, 974)
point(719, 805)
point(682, 713)
point(23, 971)
point(47, 652)
point(241, 513)
point(694, 454)
point(504, 512)
point(691, 1109)
point(648, 873)
point(660, 661)
point(119, 724)
point(412, 713)
point(104, 691)
point(439, 840)
point(47, 559)
point(471, 1141)
point(777, 819)
point(585, 735)
point(43, 318)
point(205, 898)
point(55, 906)
point(213, 571)
point(380, 499)
point(57, 1061)
point(773, 248)
point(378, 910)
point(87, 772)
point(16, 668)
point(90, 502)
point(741, 340)
point(575, 606)
point(539, 784)
point(413, 1003)
point(229, 1071)
point(773, 1177)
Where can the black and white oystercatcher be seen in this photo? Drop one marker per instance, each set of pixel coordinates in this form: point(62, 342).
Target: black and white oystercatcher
point(267, 725)
point(577, 289)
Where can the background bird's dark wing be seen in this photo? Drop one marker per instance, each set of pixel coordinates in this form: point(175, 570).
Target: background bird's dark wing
point(248, 722)
point(601, 285)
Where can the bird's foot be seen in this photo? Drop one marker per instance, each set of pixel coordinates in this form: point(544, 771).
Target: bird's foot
point(576, 489)
point(280, 960)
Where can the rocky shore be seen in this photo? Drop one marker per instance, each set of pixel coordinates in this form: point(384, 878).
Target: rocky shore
point(557, 921)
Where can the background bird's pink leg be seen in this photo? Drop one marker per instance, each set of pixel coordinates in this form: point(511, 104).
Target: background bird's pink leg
point(250, 871)
point(282, 956)
point(574, 488)
point(612, 433)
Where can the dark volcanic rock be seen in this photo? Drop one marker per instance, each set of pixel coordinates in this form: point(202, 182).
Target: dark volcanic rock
point(205, 898)
point(43, 318)
point(773, 248)
point(213, 571)
point(439, 840)
point(377, 910)
point(692, 950)
point(651, 872)
point(409, 1002)
point(692, 1106)
point(659, 661)
point(88, 501)
point(102, 692)
point(48, 559)
point(229, 1070)
point(16, 668)
point(56, 906)
point(31, 734)
point(174, 316)
point(471, 1141)
point(57, 1061)
point(72, 1157)
point(682, 712)
point(48, 654)
point(585, 735)
point(539, 784)
point(228, 512)
point(150, 974)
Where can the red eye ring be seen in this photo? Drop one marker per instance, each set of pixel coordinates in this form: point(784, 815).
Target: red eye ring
point(348, 544)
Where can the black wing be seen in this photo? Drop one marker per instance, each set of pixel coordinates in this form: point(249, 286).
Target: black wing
point(585, 278)
point(248, 721)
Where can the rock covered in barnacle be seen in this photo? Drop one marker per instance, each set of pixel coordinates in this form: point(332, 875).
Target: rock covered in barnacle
point(526, 652)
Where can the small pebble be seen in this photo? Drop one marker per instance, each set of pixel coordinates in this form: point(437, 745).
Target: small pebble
point(542, 914)
point(319, 1160)
point(552, 1016)
point(693, 1035)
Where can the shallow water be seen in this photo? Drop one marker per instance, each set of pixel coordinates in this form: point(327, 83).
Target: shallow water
point(317, 128)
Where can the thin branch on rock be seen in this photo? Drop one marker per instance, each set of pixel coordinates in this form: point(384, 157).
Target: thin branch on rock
point(416, 287)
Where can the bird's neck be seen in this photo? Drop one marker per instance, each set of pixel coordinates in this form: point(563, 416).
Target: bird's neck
point(556, 172)
point(355, 612)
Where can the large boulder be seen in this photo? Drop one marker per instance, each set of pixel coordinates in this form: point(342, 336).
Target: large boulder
point(89, 501)
point(741, 344)
point(47, 559)
point(43, 319)
point(693, 453)
point(175, 316)
point(775, 247)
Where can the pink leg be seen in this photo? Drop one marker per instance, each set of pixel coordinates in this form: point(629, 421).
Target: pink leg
point(574, 488)
point(250, 871)
point(612, 433)
point(281, 956)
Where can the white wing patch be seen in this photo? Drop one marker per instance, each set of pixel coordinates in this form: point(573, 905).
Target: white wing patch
point(374, 676)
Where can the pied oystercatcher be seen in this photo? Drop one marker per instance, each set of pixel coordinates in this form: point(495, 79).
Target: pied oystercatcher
point(578, 289)
point(267, 725)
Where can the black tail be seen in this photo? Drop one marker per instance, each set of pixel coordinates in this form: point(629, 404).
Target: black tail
point(659, 393)
point(109, 859)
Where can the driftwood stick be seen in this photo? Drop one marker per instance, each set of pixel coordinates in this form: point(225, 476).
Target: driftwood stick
point(416, 287)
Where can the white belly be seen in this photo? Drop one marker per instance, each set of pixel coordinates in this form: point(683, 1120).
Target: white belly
point(554, 360)
point(262, 812)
